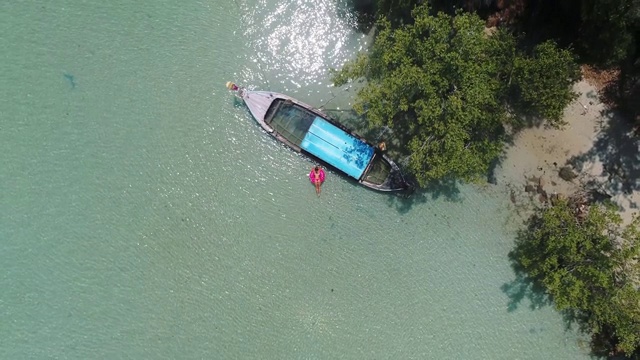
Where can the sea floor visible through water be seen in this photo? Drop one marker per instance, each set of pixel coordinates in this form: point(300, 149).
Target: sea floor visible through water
point(144, 214)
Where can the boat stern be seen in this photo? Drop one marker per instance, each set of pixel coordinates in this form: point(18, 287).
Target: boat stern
point(383, 174)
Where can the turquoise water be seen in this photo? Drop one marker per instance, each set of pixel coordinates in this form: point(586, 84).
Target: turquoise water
point(143, 214)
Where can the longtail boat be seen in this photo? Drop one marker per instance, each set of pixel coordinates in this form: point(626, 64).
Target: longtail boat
point(311, 132)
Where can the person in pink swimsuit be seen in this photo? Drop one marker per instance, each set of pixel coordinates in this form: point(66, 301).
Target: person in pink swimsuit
point(317, 177)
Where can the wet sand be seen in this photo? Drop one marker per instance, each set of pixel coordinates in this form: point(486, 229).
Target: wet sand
point(596, 144)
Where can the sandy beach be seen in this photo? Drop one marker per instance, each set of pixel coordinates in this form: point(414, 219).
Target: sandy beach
point(596, 147)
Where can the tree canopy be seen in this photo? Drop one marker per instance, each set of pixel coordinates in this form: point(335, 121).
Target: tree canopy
point(543, 79)
point(588, 266)
point(442, 82)
point(610, 30)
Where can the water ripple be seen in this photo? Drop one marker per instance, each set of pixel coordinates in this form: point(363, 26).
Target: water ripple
point(295, 43)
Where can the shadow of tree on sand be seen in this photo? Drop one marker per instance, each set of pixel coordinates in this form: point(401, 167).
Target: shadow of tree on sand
point(619, 151)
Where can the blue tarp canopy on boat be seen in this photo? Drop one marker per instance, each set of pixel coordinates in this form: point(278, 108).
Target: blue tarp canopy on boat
point(339, 149)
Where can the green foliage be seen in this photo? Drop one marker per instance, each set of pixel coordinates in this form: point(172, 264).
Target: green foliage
point(586, 267)
point(442, 82)
point(610, 29)
point(397, 11)
point(543, 81)
point(437, 82)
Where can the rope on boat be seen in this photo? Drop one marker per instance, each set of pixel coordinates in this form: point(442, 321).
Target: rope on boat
point(322, 106)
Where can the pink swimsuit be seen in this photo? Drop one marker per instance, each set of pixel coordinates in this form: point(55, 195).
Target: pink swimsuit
point(312, 176)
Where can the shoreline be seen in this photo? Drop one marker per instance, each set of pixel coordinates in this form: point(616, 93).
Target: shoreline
point(596, 147)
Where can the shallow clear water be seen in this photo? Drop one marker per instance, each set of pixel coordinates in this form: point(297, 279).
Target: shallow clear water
point(143, 214)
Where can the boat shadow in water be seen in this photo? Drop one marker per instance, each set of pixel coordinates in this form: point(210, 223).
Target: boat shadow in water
point(403, 202)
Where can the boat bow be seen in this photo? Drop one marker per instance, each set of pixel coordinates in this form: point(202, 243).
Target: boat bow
point(258, 102)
